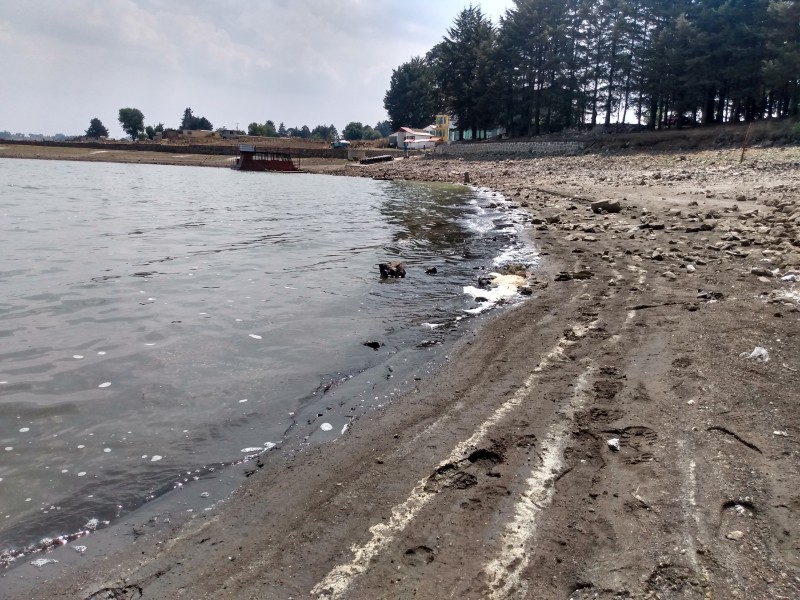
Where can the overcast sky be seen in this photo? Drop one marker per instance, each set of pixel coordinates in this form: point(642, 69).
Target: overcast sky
point(300, 62)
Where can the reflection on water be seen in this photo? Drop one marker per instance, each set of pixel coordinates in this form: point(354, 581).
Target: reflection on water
point(159, 322)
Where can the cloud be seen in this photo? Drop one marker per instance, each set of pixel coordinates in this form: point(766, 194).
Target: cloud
point(297, 61)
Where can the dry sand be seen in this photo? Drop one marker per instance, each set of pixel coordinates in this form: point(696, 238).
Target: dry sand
point(604, 440)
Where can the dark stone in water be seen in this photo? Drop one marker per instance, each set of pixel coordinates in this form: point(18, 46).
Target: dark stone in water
point(480, 299)
point(485, 282)
point(392, 269)
point(373, 345)
point(431, 271)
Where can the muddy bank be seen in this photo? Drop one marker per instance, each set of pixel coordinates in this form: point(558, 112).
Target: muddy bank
point(609, 438)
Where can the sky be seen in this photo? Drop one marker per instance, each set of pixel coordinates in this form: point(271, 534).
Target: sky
point(300, 62)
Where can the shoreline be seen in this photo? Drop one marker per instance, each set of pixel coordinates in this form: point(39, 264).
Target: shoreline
point(510, 440)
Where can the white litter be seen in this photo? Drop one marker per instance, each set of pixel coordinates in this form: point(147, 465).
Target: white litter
point(758, 354)
point(613, 444)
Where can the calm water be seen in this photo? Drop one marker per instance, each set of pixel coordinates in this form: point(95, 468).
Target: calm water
point(158, 323)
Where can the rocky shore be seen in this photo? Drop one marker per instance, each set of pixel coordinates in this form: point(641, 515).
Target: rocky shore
point(631, 431)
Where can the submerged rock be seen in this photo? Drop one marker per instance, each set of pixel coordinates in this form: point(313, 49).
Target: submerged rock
point(392, 269)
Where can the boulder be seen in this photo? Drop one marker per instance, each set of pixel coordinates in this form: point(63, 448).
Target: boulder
point(609, 206)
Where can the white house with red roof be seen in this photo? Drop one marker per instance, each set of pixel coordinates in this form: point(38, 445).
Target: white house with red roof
point(413, 139)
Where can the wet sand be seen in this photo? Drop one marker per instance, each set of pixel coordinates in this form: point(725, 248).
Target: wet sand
point(609, 438)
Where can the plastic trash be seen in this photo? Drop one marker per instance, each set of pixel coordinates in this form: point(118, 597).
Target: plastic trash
point(613, 444)
point(758, 354)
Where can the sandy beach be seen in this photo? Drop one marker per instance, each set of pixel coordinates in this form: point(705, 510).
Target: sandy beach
point(631, 431)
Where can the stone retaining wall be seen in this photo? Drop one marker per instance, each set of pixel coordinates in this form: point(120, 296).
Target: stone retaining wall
point(476, 149)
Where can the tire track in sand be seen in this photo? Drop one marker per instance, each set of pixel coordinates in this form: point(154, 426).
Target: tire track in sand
point(335, 584)
point(503, 573)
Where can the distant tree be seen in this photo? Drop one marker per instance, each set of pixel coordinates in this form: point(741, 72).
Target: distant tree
point(463, 70)
point(96, 129)
point(151, 131)
point(353, 131)
point(132, 121)
point(302, 132)
point(264, 130)
point(368, 133)
point(324, 132)
point(189, 121)
point(409, 101)
point(282, 132)
point(384, 128)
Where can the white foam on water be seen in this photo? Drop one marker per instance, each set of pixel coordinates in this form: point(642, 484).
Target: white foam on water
point(156, 458)
point(81, 446)
point(516, 254)
point(105, 384)
point(65, 470)
point(326, 427)
point(9, 448)
point(255, 336)
point(504, 287)
point(252, 449)
point(77, 356)
point(106, 450)
point(82, 473)
point(433, 325)
point(79, 549)
point(101, 353)
point(243, 400)
point(24, 429)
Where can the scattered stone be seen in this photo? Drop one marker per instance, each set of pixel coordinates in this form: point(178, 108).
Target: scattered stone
point(710, 295)
point(566, 276)
point(761, 272)
point(669, 275)
point(690, 268)
point(734, 535)
point(613, 444)
point(609, 206)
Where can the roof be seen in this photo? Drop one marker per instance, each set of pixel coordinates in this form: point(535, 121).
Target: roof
point(412, 131)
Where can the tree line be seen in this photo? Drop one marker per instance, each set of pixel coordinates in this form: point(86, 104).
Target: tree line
point(132, 122)
point(551, 65)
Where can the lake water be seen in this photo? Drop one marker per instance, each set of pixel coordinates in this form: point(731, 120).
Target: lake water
point(158, 323)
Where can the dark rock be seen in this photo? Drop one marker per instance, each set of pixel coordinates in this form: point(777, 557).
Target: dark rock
point(565, 276)
point(373, 345)
point(431, 271)
point(485, 282)
point(392, 269)
point(609, 206)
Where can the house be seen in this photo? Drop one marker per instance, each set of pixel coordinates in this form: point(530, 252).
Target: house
point(442, 128)
point(226, 134)
point(411, 139)
point(198, 133)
